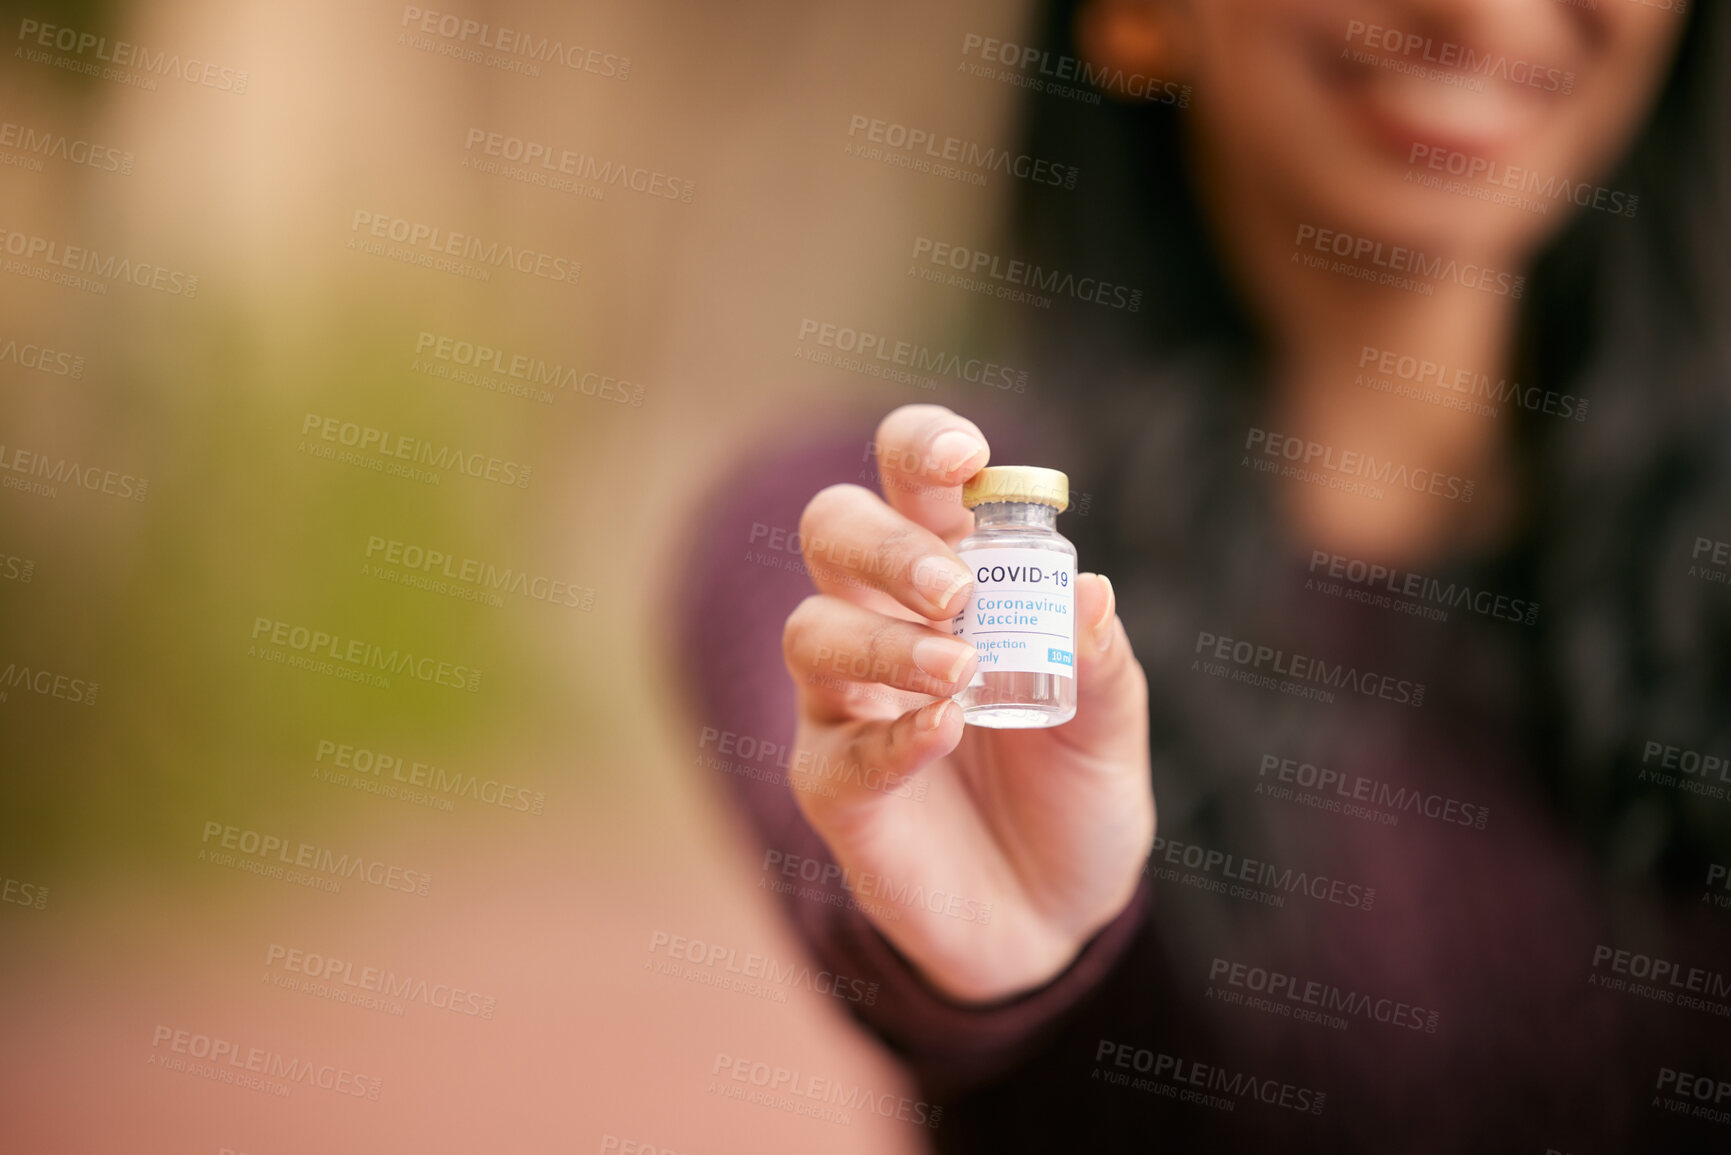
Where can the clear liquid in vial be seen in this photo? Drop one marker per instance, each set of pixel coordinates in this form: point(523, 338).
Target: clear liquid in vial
point(1022, 539)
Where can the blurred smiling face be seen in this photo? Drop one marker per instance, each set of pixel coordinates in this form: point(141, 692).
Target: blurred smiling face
point(1332, 105)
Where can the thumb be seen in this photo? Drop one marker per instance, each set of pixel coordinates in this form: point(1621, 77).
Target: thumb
point(858, 766)
point(1111, 719)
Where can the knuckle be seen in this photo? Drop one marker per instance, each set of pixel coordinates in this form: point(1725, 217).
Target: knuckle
point(899, 741)
point(826, 507)
point(858, 751)
point(801, 623)
point(880, 650)
point(900, 550)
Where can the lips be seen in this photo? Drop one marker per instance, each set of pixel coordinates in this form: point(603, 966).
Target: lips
point(1401, 101)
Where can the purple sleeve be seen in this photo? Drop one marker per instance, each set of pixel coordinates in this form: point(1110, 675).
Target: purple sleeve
point(746, 576)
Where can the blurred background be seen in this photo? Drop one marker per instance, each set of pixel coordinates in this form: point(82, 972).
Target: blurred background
point(364, 369)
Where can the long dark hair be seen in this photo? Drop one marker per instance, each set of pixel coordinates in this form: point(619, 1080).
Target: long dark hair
point(1633, 314)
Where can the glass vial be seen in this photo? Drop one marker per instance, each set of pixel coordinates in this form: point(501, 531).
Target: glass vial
point(1021, 617)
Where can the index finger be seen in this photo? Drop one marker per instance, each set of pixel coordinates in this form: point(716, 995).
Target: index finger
point(924, 454)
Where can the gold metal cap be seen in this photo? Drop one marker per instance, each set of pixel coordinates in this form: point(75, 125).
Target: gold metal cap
point(1017, 483)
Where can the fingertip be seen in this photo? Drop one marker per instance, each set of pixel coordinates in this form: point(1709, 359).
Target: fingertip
point(934, 715)
point(959, 454)
point(931, 442)
point(937, 728)
point(942, 580)
point(1111, 602)
point(1097, 617)
point(1096, 605)
point(910, 415)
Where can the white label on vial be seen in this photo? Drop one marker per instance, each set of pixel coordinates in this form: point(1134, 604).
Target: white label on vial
point(1022, 615)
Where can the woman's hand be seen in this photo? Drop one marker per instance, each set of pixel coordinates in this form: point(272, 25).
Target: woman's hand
point(1049, 827)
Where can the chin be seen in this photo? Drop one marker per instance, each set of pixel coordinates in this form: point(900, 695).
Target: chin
point(1394, 211)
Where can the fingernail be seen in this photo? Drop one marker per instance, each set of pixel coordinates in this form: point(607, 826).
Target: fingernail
point(942, 658)
point(954, 449)
point(932, 716)
point(1103, 629)
point(1111, 602)
point(939, 579)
